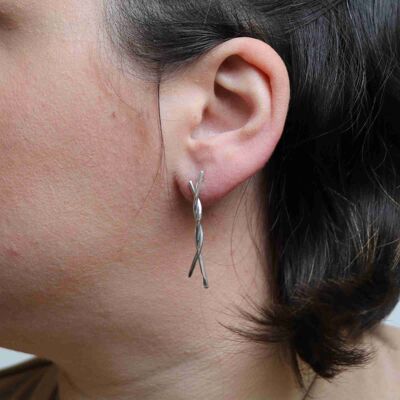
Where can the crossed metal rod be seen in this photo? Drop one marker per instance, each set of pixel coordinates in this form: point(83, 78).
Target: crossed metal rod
point(199, 234)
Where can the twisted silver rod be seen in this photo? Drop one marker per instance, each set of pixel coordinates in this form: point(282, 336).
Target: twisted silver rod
point(199, 234)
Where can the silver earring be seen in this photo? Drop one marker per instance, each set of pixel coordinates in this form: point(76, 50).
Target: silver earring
point(199, 235)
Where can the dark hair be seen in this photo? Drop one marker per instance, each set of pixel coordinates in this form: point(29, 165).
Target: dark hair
point(332, 202)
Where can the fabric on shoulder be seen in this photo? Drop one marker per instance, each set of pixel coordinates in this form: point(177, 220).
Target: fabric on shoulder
point(34, 379)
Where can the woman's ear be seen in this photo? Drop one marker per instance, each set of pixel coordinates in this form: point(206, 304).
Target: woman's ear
point(224, 114)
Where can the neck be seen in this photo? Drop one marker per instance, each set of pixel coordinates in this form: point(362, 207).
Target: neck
point(135, 327)
point(211, 369)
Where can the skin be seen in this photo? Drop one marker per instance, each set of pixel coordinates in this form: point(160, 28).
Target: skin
point(96, 239)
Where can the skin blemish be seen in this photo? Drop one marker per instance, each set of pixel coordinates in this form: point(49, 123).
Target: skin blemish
point(114, 115)
point(7, 21)
point(12, 253)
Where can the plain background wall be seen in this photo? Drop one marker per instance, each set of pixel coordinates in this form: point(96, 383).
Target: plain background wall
point(9, 357)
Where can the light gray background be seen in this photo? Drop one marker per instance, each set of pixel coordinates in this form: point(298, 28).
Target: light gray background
point(9, 357)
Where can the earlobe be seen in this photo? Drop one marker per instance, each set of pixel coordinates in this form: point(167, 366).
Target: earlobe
point(234, 102)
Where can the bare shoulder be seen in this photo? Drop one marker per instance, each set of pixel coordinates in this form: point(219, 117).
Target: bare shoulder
point(386, 339)
point(389, 338)
point(378, 379)
point(388, 335)
point(387, 366)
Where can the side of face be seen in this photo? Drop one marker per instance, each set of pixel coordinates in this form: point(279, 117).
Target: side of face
point(78, 153)
point(92, 227)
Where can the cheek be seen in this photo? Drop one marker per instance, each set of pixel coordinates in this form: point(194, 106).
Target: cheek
point(75, 165)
